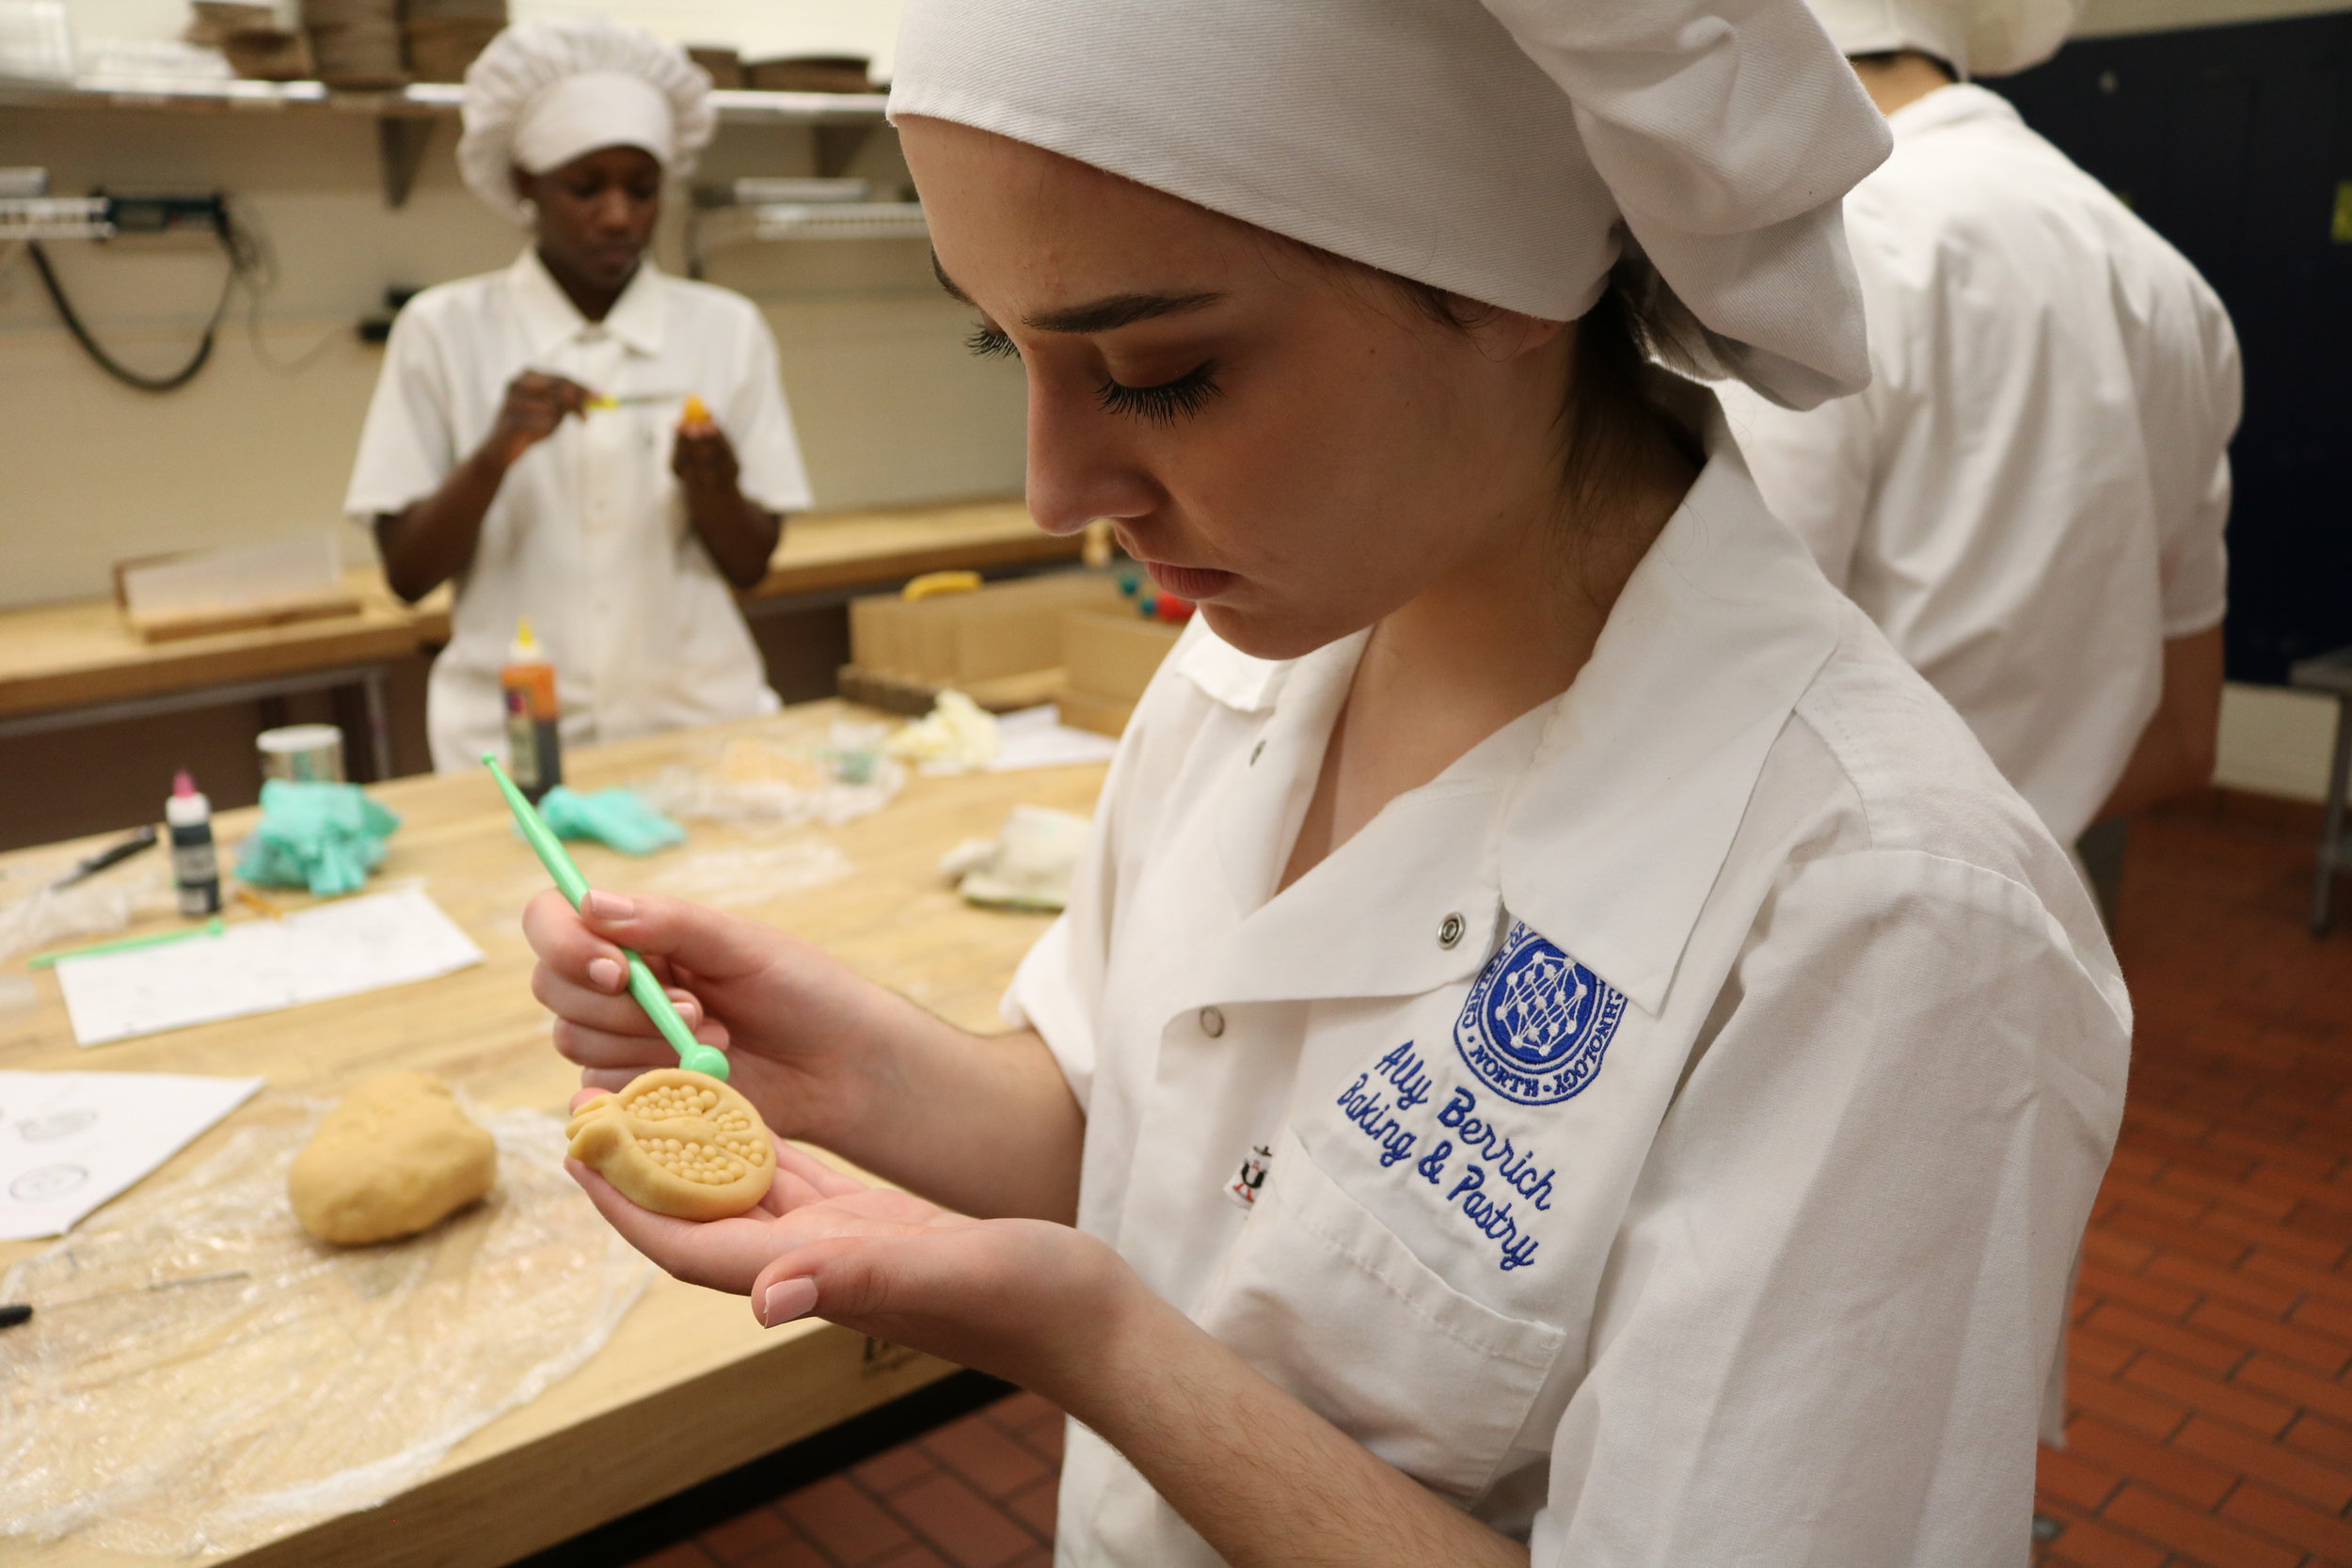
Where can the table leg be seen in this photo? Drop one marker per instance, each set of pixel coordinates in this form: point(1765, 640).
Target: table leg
point(379, 723)
point(2331, 835)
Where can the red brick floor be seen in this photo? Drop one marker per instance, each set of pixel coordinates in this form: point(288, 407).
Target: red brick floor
point(2210, 1422)
point(977, 1493)
point(2210, 1416)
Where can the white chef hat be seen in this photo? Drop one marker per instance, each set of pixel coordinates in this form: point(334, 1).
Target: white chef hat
point(1977, 37)
point(1500, 149)
point(545, 92)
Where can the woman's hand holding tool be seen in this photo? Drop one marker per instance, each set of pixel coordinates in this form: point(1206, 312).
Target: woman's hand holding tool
point(984, 1125)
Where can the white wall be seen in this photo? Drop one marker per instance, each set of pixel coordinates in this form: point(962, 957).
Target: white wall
point(2274, 742)
point(890, 407)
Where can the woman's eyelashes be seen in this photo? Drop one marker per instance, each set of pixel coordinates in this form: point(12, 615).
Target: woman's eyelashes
point(1165, 403)
point(1161, 405)
point(990, 342)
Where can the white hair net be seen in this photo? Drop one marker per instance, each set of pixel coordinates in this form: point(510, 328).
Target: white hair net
point(1977, 37)
point(545, 92)
point(1512, 151)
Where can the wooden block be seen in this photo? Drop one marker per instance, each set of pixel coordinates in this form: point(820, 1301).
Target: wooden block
point(1085, 710)
point(1005, 629)
point(880, 636)
point(1113, 653)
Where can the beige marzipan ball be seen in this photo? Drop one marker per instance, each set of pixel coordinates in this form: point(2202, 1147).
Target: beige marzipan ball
point(396, 1157)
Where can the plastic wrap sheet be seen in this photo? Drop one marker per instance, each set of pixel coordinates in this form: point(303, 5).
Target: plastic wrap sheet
point(756, 783)
point(34, 915)
point(201, 1375)
point(751, 874)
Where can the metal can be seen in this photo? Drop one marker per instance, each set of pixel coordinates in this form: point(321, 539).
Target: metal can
point(301, 752)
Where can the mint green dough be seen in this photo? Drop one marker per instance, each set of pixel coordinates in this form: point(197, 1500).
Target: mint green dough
point(323, 836)
point(611, 816)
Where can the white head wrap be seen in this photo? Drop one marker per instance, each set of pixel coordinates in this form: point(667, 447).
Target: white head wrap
point(545, 92)
point(1508, 151)
point(1976, 38)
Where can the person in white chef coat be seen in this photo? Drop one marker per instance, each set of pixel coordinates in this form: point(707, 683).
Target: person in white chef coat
point(2029, 495)
point(1561, 1048)
point(530, 438)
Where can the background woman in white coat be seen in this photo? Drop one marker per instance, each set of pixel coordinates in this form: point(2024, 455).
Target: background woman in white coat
point(1563, 1049)
point(490, 458)
point(2030, 498)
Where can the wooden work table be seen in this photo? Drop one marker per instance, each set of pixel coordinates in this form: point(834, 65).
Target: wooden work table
point(70, 655)
point(688, 1386)
point(823, 551)
point(64, 664)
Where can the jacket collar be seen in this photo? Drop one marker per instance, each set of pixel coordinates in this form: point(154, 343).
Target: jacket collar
point(1960, 104)
point(1631, 803)
point(551, 319)
point(1611, 835)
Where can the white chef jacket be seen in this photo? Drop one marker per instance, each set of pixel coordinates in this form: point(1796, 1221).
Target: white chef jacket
point(2030, 498)
point(1667, 1132)
point(589, 535)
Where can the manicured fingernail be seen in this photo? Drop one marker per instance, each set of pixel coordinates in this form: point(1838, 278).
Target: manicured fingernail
point(786, 1300)
point(605, 974)
point(610, 905)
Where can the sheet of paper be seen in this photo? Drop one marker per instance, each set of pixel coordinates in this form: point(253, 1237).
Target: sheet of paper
point(1036, 738)
point(68, 1141)
point(256, 966)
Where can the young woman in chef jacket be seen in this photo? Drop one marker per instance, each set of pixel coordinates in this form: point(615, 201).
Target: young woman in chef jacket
point(530, 437)
point(1561, 1048)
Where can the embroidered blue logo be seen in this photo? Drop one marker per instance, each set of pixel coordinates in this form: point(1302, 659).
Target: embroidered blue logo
point(1537, 1021)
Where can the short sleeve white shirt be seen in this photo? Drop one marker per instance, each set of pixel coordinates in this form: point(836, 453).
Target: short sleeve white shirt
point(1664, 1135)
point(589, 536)
point(2030, 498)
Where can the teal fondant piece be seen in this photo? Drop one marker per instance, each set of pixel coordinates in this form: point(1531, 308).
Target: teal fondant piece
point(614, 816)
point(325, 837)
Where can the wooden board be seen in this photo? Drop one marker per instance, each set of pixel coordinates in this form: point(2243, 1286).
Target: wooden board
point(690, 1386)
point(207, 623)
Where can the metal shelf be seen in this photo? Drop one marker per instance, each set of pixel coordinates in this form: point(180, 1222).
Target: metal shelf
point(406, 117)
point(417, 99)
point(712, 228)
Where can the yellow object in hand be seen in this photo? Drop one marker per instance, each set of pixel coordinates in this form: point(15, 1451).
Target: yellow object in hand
point(696, 413)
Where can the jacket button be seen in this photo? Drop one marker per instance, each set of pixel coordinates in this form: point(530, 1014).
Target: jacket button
point(1450, 931)
point(1212, 1022)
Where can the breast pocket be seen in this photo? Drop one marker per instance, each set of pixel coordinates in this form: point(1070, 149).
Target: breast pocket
point(1331, 1306)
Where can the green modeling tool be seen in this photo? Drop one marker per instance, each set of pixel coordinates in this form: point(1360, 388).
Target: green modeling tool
point(691, 1054)
point(212, 928)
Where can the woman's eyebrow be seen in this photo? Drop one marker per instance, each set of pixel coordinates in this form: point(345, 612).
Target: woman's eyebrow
point(1100, 315)
point(1117, 310)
